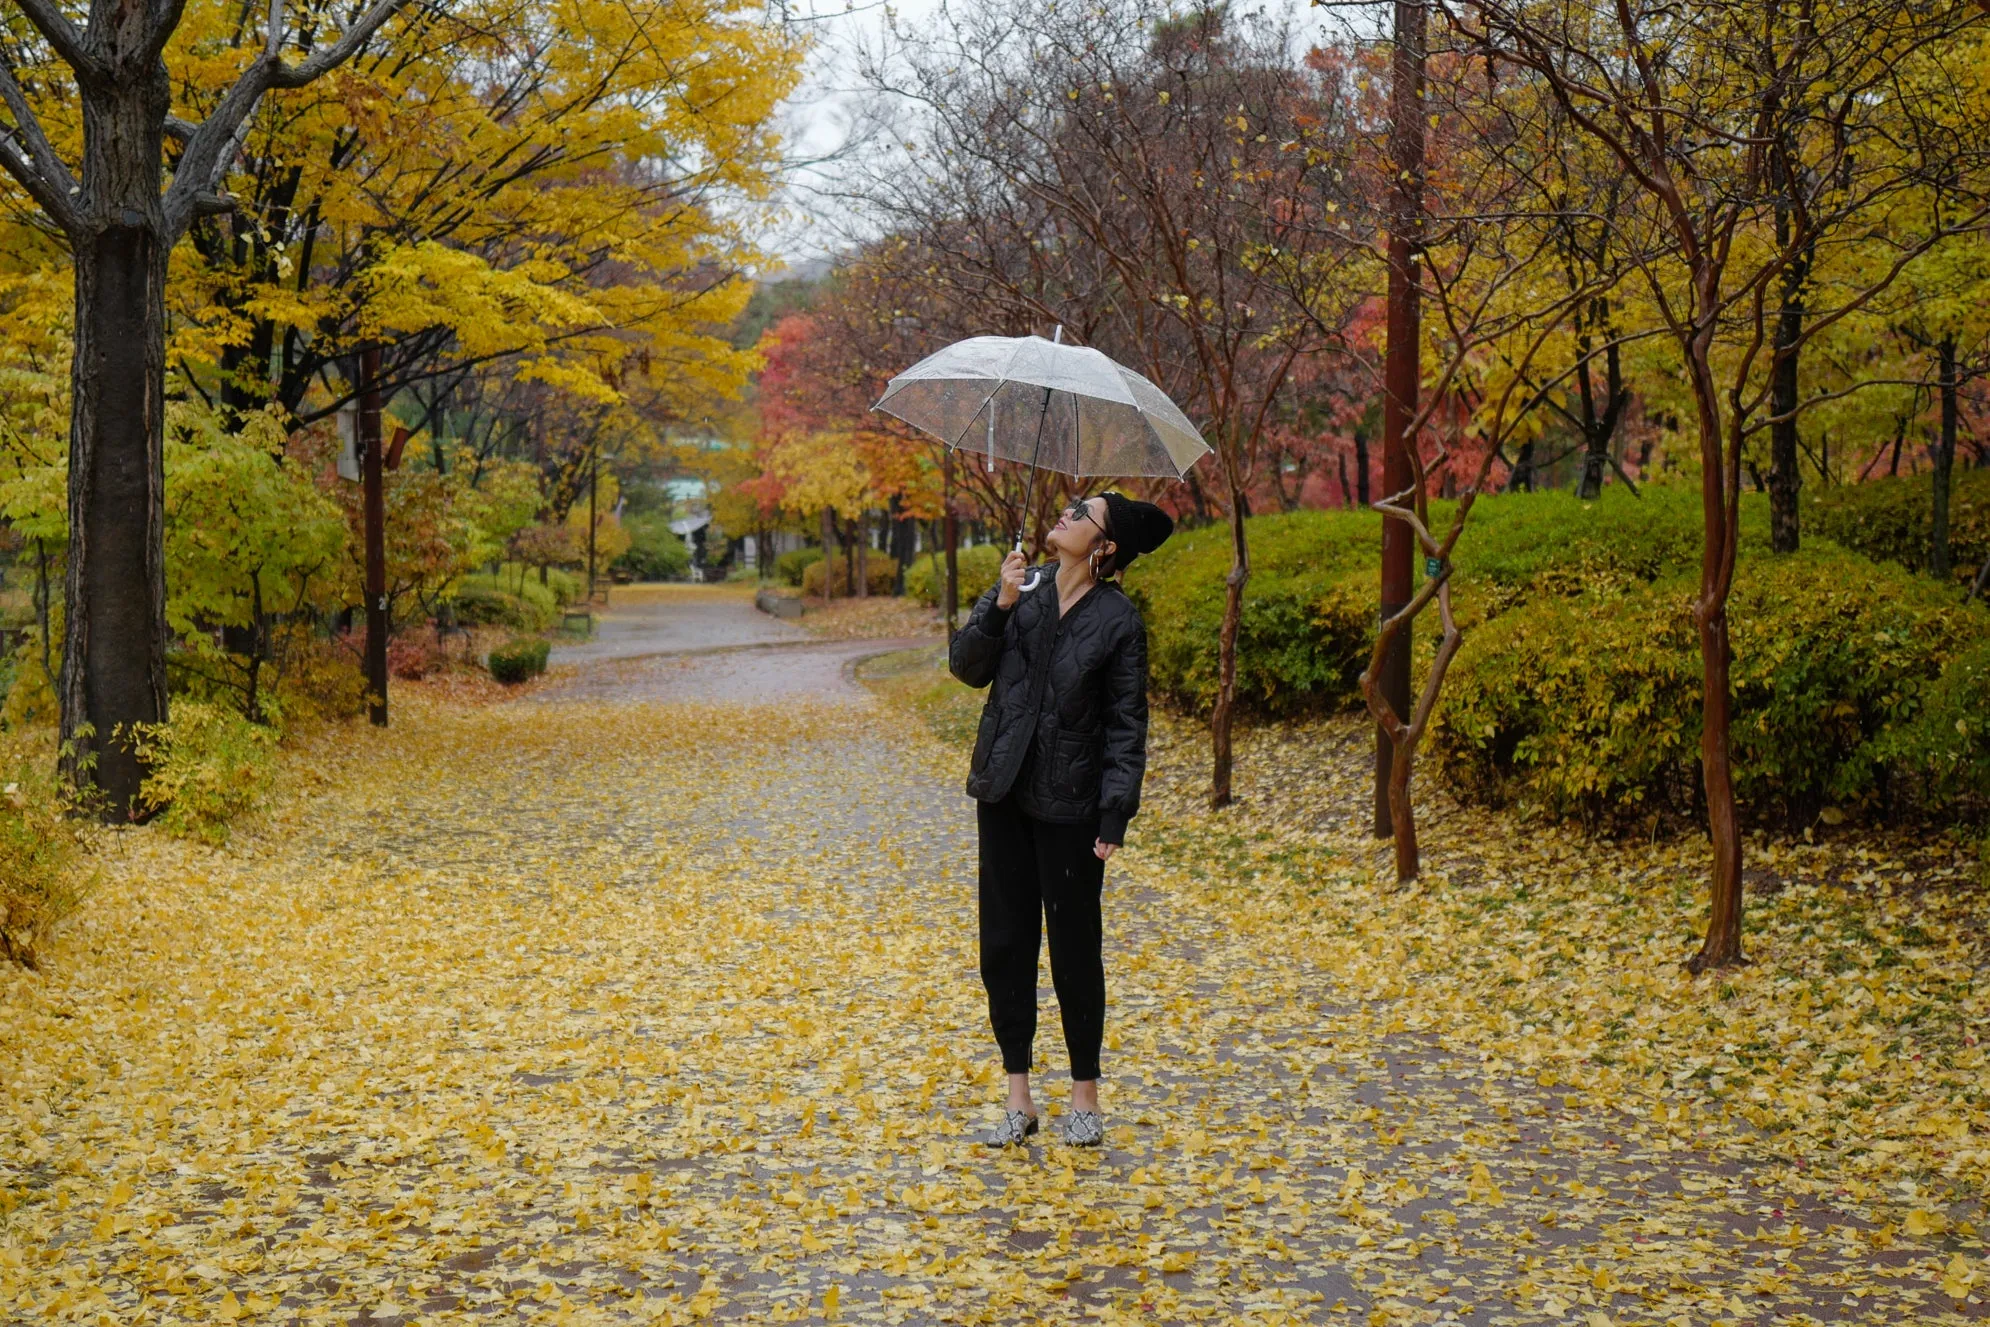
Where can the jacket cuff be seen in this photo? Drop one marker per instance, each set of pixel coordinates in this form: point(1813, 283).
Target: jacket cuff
point(1112, 827)
point(994, 620)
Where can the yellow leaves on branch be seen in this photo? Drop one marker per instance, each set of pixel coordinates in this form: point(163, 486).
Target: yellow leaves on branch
point(557, 180)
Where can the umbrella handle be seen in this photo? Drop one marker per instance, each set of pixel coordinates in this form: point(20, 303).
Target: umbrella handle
point(1036, 573)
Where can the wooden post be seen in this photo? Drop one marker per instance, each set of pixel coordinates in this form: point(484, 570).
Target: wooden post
point(1401, 372)
point(375, 502)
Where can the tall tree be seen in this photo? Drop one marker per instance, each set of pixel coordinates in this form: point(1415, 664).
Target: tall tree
point(1695, 104)
point(1155, 182)
point(120, 225)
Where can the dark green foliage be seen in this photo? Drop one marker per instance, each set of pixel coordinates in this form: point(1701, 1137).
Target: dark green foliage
point(1589, 704)
point(1892, 520)
point(1947, 743)
point(978, 567)
point(789, 566)
point(519, 661)
point(655, 553)
point(483, 604)
point(1308, 618)
point(1519, 546)
point(880, 575)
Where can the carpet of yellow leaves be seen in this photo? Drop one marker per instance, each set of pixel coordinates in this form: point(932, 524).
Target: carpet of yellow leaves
point(607, 1011)
point(877, 618)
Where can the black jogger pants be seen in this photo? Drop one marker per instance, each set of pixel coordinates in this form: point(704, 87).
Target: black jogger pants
point(1032, 872)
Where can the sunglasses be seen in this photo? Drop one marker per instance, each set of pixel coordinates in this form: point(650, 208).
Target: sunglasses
point(1081, 510)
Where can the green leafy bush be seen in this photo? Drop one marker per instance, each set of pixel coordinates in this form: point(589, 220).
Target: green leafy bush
point(519, 661)
point(1589, 705)
point(655, 551)
point(1947, 744)
point(790, 566)
point(514, 598)
point(880, 575)
point(42, 877)
point(209, 765)
point(1309, 610)
point(978, 567)
point(1892, 520)
point(1518, 546)
point(1310, 605)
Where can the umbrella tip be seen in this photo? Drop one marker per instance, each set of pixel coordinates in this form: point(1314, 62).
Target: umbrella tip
point(1057, 337)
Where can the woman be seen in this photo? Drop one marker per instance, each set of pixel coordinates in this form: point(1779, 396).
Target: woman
point(1056, 772)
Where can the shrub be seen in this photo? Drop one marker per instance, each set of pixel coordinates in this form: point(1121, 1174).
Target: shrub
point(978, 567)
point(1310, 604)
point(1947, 744)
point(209, 765)
point(1892, 520)
point(517, 601)
point(519, 661)
point(1589, 705)
point(1309, 610)
point(413, 655)
point(655, 552)
point(790, 566)
point(880, 575)
point(41, 850)
point(1518, 546)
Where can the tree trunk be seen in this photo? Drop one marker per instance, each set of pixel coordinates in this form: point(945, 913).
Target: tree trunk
point(1221, 756)
point(902, 540)
point(374, 499)
point(1522, 477)
point(860, 577)
point(1938, 541)
point(1785, 478)
point(114, 644)
point(1409, 864)
point(828, 555)
point(1361, 468)
point(1722, 946)
point(1401, 373)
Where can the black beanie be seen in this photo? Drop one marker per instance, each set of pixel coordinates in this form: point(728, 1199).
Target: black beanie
point(1136, 527)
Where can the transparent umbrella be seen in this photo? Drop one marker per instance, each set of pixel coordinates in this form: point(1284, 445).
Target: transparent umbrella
point(1066, 408)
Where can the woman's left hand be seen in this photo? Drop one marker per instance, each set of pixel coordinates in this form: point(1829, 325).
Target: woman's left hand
point(1103, 850)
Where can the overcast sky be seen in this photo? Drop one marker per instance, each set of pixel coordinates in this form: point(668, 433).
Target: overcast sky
point(819, 119)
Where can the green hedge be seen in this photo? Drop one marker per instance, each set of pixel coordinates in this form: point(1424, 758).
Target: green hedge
point(514, 597)
point(1520, 546)
point(978, 567)
point(1589, 705)
point(1892, 520)
point(1310, 604)
point(519, 661)
point(790, 566)
point(880, 575)
point(1308, 610)
point(655, 551)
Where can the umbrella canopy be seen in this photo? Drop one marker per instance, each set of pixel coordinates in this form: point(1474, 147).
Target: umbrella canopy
point(1066, 408)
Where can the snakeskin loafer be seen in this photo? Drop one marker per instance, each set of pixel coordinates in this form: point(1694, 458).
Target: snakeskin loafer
point(1014, 1129)
point(1084, 1128)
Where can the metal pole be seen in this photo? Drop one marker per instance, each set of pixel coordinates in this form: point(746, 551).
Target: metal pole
point(375, 502)
point(1402, 367)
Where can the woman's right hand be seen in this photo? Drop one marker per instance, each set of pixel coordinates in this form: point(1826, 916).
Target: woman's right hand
point(1014, 568)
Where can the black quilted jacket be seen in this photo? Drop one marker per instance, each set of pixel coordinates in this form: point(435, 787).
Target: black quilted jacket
point(1065, 726)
